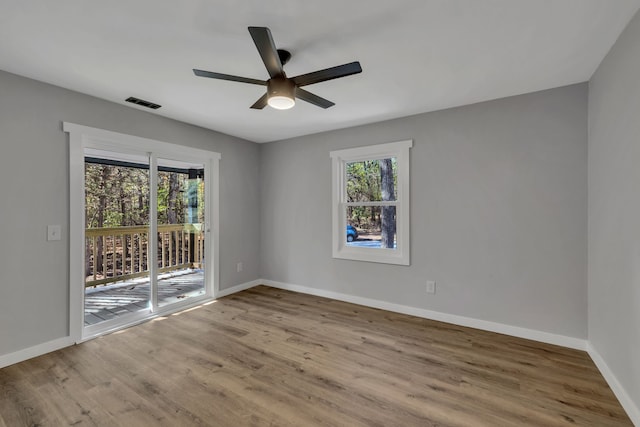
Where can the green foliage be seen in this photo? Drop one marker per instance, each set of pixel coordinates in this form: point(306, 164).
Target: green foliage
point(118, 196)
point(364, 184)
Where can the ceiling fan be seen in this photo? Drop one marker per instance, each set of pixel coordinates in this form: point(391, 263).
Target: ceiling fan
point(282, 90)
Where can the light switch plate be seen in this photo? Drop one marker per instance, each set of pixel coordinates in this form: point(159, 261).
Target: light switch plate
point(54, 232)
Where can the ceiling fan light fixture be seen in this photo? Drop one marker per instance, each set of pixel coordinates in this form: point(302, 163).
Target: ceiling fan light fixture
point(281, 102)
point(281, 93)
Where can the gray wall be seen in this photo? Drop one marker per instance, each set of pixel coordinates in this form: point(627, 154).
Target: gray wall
point(34, 192)
point(614, 210)
point(498, 212)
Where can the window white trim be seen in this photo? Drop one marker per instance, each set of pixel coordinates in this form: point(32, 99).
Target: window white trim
point(81, 137)
point(339, 158)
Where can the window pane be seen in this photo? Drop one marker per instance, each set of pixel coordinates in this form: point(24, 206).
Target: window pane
point(181, 235)
point(371, 226)
point(372, 180)
point(116, 235)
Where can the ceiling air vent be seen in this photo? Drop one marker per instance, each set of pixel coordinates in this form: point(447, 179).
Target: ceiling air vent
point(143, 103)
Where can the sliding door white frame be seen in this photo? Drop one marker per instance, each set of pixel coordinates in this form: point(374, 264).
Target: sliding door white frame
point(82, 137)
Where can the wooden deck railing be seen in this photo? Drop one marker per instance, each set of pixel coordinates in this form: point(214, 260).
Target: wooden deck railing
point(114, 254)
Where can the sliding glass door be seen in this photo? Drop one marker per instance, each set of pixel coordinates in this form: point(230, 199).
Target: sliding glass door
point(181, 233)
point(117, 229)
point(145, 238)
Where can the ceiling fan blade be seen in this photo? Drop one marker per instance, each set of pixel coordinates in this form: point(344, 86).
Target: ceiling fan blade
point(328, 74)
point(267, 49)
point(313, 99)
point(261, 103)
point(220, 76)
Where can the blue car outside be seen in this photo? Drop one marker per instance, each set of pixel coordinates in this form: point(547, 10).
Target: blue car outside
point(352, 233)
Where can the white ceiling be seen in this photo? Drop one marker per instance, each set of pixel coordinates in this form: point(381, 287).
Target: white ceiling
point(416, 55)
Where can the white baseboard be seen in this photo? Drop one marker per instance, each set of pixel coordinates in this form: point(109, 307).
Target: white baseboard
point(238, 288)
point(531, 334)
point(625, 400)
point(35, 351)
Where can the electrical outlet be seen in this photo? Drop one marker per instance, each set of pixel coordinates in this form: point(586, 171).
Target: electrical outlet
point(431, 286)
point(53, 232)
point(239, 267)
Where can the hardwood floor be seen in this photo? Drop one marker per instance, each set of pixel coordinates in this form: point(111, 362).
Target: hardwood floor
point(266, 357)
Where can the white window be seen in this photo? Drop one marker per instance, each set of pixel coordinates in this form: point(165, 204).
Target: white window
point(371, 203)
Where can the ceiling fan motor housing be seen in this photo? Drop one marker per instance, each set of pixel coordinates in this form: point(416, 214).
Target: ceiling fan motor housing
point(281, 93)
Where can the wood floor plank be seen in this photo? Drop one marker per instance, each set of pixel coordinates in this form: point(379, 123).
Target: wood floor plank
point(267, 357)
